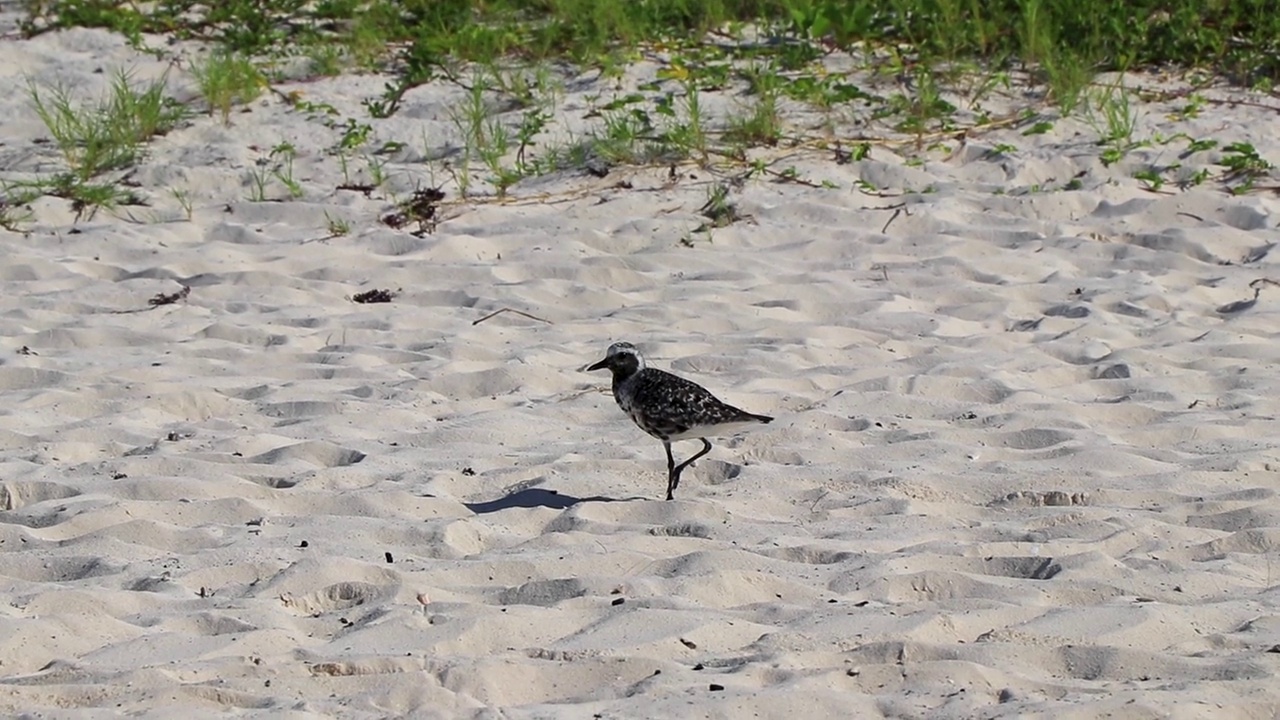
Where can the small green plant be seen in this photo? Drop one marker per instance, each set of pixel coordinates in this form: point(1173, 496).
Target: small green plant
point(258, 177)
point(1039, 128)
point(921, 111)
point(98, 138)
point(366, 41)
point(1243, 166)
point(762, 123)
point(689, 137)
point(823, 93)
point(315, 109)
point(420, 62)
point(685, 136)
point(326, 59)
point(1120, 116)
point(109, 135)
point(184, 201)
point(277, 164)
point(533, 121)
point(1112, 155)
point(226, 80)
point(484, 138)
point(987, 82)
point(503, 178)
point(718, 209)
point(528, 87)
point(1190, 111)
point(377, 169)
point(1198, 178)
point(1154, 181)
point(1060, 59)
point(1114, 118)
point(757, 168)
point(282, 156)
point(86, 197)
point(626, 134)
point(337, 226)
point(1196, 146)
point(354, 134)
point(1069, 74)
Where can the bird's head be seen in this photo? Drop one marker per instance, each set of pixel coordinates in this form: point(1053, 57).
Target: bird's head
point(622, 359)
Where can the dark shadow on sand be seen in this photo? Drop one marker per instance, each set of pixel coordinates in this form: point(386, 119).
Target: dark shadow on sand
point(537, 497)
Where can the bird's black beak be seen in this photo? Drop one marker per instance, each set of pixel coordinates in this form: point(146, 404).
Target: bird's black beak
point(600, 365)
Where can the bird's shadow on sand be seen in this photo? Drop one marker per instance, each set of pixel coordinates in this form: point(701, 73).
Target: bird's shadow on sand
point(538, 497)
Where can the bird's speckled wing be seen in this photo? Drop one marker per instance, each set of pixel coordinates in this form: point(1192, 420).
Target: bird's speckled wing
point(666, 405)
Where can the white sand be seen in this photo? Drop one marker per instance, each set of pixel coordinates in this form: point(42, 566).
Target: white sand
point(889, 546)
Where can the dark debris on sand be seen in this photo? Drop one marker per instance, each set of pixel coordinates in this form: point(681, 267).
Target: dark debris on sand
point(169, 298)
point(374, 296)
point(421, 208)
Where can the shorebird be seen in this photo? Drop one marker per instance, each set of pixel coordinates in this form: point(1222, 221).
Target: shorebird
point(669, 407)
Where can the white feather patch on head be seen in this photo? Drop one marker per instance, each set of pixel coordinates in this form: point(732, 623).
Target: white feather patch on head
point(626, 348)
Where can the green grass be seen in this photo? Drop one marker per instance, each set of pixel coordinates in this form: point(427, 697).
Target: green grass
point(1243, 167)
point(1064, 43)
point(225, 80)
point(97, 138)
point(930, 67)
point(1115, 120)
point(337, 226)
point(110, 134)
point(86, 197)
point(184, 200)
point(1063, 38)
point(276, 165)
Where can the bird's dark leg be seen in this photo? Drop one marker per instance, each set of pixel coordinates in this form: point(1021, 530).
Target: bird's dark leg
point(673, 480)
point(671, 470)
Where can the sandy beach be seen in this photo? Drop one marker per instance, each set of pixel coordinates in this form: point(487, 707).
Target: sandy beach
point(1024, 462)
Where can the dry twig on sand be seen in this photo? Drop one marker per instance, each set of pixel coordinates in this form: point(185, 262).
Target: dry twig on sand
point(512, 310)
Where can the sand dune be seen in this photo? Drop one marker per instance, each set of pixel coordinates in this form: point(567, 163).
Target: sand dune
point(1023, 464)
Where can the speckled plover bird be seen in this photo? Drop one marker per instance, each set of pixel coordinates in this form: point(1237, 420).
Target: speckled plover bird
point(670, 408)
